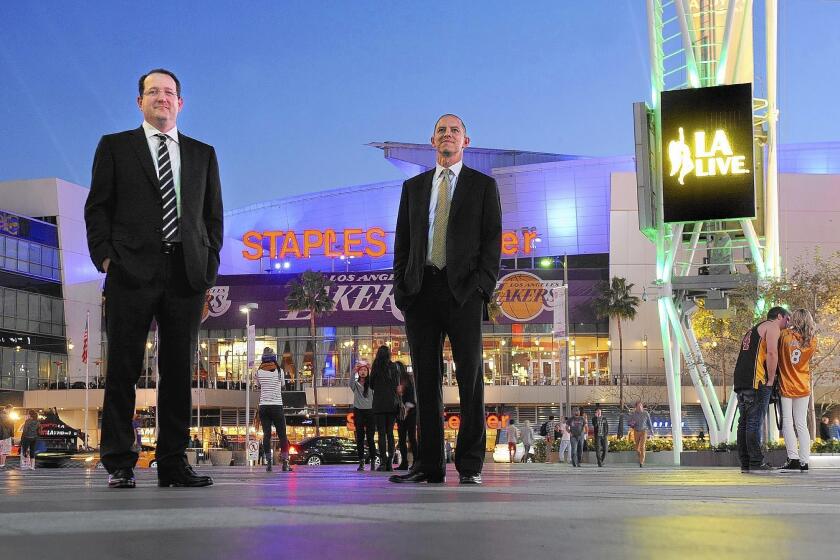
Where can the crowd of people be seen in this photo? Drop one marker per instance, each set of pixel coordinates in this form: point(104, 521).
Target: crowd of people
point(384, 394)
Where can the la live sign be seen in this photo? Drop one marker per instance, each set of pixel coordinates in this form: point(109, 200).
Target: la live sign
point(350, 242)
point(707, 154)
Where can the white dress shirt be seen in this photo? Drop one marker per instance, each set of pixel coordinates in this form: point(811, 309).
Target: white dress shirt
point(174, 155)
point(453, 180)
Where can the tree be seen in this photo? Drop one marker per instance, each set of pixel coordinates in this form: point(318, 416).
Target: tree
point(310, 292)
point(614, 301)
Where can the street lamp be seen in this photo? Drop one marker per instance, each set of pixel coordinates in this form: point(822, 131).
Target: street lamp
point(246, 309)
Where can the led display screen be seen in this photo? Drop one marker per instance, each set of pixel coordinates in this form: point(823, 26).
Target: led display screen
point(707, 154)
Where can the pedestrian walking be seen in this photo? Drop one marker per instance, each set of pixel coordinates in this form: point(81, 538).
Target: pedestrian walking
point(7, 428)
point(577, 428)
point(527, 439)
point(796, 347)
point(363, 414)
point(407, 419)
point(641, 423)
point(600, 433)
point(269, 378)
point(28, 438)
point(512, 438)
point(562, 433)
point(386, 404)
point(835, 429)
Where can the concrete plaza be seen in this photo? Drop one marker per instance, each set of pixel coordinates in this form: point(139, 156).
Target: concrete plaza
point(539, 511)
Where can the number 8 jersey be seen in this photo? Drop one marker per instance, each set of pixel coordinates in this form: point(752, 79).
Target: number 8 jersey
point(795, 364)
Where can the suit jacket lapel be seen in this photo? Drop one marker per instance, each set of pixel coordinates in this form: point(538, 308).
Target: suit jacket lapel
point(188, 169)
point(141, 146)
point(424, 206)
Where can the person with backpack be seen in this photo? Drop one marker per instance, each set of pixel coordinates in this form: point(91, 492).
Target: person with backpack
point(577, 427)
point(547, 431)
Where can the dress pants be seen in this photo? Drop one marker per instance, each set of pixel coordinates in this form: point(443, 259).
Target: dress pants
point(130, 307)
point(433, 315)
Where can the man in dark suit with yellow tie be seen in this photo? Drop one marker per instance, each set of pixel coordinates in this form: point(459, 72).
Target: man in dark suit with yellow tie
point(154, 227)
point(446, 262)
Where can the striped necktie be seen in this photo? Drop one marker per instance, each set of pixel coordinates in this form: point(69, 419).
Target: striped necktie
point(167, 191)
point(441, 221)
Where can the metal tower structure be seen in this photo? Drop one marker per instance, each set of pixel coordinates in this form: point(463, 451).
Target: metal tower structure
point(698, 44)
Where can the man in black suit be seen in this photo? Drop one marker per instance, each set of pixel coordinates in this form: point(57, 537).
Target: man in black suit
point(154, 226)
point(446, 262)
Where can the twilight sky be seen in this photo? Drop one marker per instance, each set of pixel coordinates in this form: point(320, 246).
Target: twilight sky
point(290, 91)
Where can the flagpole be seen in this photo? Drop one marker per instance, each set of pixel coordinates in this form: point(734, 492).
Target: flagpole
point(87, 375)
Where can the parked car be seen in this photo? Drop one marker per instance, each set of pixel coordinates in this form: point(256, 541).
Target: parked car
point(323, 450)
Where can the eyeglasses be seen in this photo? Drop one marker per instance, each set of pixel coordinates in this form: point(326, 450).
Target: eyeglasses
point(154, 92)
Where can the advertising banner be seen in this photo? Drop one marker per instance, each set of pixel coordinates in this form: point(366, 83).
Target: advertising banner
point(367, 298)
point(707, 154)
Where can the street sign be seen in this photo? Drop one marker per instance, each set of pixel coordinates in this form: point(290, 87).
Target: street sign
point(253, 450)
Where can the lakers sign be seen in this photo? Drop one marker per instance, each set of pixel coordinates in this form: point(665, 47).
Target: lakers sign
point(707, 163)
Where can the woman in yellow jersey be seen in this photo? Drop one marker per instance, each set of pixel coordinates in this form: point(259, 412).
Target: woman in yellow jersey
point(796, 347)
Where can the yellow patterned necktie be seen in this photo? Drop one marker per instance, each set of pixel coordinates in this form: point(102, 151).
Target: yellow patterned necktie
point(441, 220)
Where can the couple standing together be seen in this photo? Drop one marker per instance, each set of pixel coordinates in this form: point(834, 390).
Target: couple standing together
point(777, 350)
point(154, 223)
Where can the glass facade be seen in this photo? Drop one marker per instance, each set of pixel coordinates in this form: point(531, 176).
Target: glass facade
point(22, 256)
point(33, 350)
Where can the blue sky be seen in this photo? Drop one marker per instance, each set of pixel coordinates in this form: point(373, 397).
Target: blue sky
point(289, 92)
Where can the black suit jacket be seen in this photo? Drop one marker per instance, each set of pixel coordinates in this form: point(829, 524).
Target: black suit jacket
point(124, 212)
point(473, 236)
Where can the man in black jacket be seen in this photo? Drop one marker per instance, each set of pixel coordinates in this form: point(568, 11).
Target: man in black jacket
point(154, 227)
point(600, 429)
point(446, 262)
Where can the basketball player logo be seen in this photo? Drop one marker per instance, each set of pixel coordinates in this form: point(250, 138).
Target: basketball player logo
point(680, 155)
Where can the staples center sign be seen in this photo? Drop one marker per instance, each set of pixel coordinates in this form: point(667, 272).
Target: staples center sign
point(351, 242)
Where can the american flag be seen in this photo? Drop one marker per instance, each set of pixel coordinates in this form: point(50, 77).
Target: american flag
point(85, 343)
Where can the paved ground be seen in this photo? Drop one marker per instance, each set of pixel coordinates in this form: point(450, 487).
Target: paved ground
point(541, 511)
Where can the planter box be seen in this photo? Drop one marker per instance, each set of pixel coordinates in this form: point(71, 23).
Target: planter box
point(220, 457)
point(725, 458)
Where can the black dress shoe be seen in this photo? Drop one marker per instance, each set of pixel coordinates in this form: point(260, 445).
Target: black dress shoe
point(470, 478)
point(401, 467)
point(121, 478)
point(182, 475)
point(416, 478)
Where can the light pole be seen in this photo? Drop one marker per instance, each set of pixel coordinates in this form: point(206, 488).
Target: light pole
point(246, 309)
point(645, 345)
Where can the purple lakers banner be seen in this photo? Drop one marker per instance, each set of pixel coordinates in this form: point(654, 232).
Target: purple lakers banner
point(367, 298)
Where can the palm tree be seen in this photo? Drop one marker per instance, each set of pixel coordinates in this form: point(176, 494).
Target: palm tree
point(310, 292)
point(614, 300)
